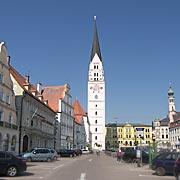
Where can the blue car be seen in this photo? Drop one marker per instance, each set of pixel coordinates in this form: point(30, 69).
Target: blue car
point(38, 154)
point(164, 163)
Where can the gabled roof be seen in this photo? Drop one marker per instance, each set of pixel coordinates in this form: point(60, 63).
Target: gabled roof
point(21, 80)
point(95, 46)
point(53, 94)
point(176, 116)
point(164, 122)
point(78, 112)
point(25, 81)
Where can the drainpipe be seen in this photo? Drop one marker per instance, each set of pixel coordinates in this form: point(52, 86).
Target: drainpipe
point(20, 123)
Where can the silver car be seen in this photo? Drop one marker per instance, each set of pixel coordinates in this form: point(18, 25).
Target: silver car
point(38, 154)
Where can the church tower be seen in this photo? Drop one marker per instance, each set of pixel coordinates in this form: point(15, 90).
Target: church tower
point(172, 110)
point(96, 95)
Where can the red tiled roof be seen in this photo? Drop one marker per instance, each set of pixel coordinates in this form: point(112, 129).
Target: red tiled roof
point(78, 119)
point(23, 81)
point(78, 110)
point(53, 94)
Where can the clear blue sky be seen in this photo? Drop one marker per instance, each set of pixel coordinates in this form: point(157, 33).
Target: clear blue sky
point(140, 46)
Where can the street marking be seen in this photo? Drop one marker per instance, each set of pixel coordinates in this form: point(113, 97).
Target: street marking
point(24, 177)
point(61, 165)
point(90, 160)
point(82, 176)
point(162, 177)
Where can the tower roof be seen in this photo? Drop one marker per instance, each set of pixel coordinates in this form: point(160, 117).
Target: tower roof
point(170, 92)
point(95, 46)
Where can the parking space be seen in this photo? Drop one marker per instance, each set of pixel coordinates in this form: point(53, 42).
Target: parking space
point(40, 170)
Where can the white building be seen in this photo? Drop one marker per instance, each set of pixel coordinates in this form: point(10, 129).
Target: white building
point(96, 96)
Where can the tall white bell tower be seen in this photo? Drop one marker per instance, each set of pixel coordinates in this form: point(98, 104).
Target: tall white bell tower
point(96, 95)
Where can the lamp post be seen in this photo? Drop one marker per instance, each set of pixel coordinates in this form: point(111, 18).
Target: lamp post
point(20, 122)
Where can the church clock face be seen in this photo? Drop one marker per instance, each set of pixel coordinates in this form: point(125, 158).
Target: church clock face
point(96, 87)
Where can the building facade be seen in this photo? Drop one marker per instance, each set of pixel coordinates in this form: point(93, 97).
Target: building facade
point(8, 122)
point(35, 118)
point(96, 96)
point(128, 134)
point(60, 100)
point(81, 128)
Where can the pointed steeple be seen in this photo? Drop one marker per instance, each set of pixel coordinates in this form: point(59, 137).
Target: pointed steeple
point(95, 47)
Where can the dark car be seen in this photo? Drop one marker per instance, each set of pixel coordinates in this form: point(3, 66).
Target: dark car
point(130, 155)
point(164, 163)
point(11, 165)
point(176, 169)
point(66, 153)
point(78, 152)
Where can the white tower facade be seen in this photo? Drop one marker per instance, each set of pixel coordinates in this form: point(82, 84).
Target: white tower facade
point(172, 110)
point(96, 96)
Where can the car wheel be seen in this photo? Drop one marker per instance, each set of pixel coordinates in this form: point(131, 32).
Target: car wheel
point(11, 171)
point(29, 159)
point(160, 171)
point(55, 158)
point(71, 155)
point(48, 159)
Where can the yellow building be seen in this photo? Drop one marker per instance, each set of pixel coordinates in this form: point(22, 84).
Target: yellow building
point(128, 134)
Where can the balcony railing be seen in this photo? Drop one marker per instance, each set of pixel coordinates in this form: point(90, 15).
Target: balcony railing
point(8, 125)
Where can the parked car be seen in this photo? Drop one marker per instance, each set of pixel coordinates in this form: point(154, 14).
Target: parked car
point(55, 155)
point(78, 152)
point(11, 165)
point(38, 154)
point(66, 153)
point(164, 163)
point(130, 155)
point(85, 151)
point(176, 169)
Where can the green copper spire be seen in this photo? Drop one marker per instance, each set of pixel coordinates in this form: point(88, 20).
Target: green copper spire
point(170, 92)
point(95, 47)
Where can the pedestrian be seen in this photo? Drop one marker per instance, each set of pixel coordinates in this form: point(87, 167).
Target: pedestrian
point(119, 155)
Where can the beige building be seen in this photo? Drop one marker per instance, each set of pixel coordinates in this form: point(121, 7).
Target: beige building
point(35, 118)
point(8, 121)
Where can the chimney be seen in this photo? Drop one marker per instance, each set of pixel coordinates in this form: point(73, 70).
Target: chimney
point(8, 59)
point(39, 88)
point(27, 79)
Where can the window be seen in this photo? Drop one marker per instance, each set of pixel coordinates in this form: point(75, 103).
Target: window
point(96, 113)
point(1, 78)
point(96, 121)
point(95, 129)
point(7, 99)
point(95, 137)
point(1, 95)
point(1, 115)
point(10, 118)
